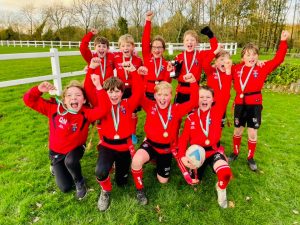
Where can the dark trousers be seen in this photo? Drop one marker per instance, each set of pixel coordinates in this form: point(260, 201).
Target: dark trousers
point(67, 168)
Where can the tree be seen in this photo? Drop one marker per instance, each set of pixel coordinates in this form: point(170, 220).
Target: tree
point(29, 12)
point(123, 26)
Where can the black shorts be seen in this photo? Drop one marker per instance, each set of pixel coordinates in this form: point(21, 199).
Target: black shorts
point(163, 161)
point(250, 114)
point(181, 98)
point(211, 162)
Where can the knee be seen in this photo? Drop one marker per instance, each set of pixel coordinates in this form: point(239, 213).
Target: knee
point(101, 173)
point(162, 180)
point(71, 162)
point(238, 131)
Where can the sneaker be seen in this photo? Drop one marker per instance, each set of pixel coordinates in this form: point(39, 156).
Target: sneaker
point(51, 170)
point(222, 197)
point(134, 139)
point(81, 190)
point(232, 157)
point(104, 201)
point(252, 164)
point(141, 197)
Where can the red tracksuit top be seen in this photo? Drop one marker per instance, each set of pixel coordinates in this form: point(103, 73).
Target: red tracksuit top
point(196, 68)
point(150, 79)
point(153, 127)
point(220, 94)
point(257, 77)
point(193, 134)
point(69, 131)
point(127, 106)
point(118, 62)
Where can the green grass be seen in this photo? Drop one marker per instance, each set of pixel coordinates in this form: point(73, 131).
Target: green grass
point(28, 192)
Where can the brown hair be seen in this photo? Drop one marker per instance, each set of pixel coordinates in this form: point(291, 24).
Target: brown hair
point(192, 33)
point(207, 88)
point(101, 40)
point(159, 38)
point(249, 47)
point(162, 85)
point(74, 83)
point(223, 53)
point(126, 38)
point(112, 83)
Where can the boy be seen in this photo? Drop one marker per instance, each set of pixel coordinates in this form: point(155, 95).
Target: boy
point(248, 82)
point(69, 121)
point(153, 58)
point(161, 128)
point(116, 133)
point(126, 54)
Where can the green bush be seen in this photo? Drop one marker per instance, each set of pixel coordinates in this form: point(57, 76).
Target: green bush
point(285, 75)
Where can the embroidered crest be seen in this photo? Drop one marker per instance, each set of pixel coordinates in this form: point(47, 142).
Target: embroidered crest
point(74, 127)
point(63, 120)
point(255, 73)
point(123, 110)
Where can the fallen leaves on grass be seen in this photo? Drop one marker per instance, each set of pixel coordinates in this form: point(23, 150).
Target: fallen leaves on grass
point(39, 205)
point(231, 204)
point(248, 198)
point(35, 219)
point(295, 211)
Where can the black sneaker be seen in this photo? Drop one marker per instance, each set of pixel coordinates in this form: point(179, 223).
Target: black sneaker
point(141, 197)
point(81, 190)
point(232, 157)
point(104, 201)
point(252, 164)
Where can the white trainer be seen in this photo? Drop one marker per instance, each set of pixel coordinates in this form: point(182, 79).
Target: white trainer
point(222, 197)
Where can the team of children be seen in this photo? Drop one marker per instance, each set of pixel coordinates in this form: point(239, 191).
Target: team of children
point(114, 100)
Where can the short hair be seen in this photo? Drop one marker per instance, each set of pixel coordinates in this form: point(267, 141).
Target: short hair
point(126, 38)
point(159, 38)
point(191, 33)
point(112, 83)
point(248, 47)
point(222, 53)
point(162, 85)
point(207, 88)
point(74, 83)
point(101, 40)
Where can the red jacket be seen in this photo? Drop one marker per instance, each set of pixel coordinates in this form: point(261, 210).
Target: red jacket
point(127, 106)
point(196, 68)
point(153, 127)
point(193, 134)
point(150, 78)
point(69, 131)
point(257, 77)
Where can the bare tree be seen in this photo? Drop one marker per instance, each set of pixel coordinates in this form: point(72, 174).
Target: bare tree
point(57, 14)
point(28, 11)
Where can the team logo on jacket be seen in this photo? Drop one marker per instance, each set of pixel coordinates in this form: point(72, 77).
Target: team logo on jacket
point(162, 68)
point(63, 120)
point(196, 62)
point(255, 73)
point(74, 127)
point(153, 110)
point(123, 110)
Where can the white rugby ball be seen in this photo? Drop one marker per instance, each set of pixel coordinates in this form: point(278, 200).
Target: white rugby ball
point(196, 155)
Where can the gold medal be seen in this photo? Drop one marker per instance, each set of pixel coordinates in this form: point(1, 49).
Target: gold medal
point(156, 82)
point(126, 84)
point(207, 141)
point(242, 95)
point(165, 134)
point(116, 136)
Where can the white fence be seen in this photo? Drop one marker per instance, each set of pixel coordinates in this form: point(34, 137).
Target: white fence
point(231, 47)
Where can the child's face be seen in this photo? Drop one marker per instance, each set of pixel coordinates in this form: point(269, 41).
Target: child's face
point(189, 43)
point(220, 62)
point(205, 99)
point(115, 96)
point(163, 98)
point(250, 58)
point(127, 48)
point(157, 49)
point(74, 99)
point(101, 49)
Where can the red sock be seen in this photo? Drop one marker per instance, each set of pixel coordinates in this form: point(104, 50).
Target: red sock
point(138, 178)
point(134, 124)
point(251, 148)
point(236, 144)
point(224, 174)
point(105, 184)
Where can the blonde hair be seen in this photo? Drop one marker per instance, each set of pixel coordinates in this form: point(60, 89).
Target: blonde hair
point(127, 38)
point(191, 33)
point(222, 53)
point(249, 47)
point(162, 85)
point(74, 83)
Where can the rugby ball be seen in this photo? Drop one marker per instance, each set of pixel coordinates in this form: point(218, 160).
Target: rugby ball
point(196, 155)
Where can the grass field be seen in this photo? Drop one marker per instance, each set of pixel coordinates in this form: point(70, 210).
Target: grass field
point(28, 193)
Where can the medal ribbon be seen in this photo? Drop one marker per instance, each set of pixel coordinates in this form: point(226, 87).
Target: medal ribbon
point(205, 131)
point(157, 71)
point(130, 60)
point(103, 70)
point(165, 125)
point(185, 62)
point(219, 79)
point(116, 119)
point(243, 85)
point(60, 103)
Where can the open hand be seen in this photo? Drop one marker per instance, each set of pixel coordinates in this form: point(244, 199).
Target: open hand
point(46, 87)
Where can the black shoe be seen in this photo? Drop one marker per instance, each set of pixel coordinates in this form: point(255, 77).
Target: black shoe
point(252, 164)
point(81, 190)
point(141, 197)
point(232, 157)
point(104, 201)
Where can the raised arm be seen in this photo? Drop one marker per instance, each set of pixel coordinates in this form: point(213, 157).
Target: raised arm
point(146, 38)
point(84, 45)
